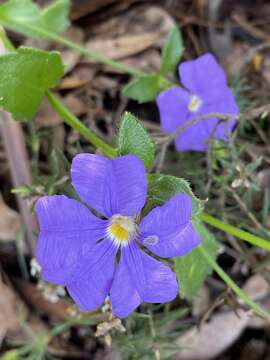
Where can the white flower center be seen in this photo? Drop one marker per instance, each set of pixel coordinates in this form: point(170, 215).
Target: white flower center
point(122, 229)
point(195, 103)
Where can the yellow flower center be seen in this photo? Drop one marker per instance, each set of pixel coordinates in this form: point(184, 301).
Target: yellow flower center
point(121, 229)
point(195, 103)
point(119, 232)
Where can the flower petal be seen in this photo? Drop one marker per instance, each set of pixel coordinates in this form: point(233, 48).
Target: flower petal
point(167, 230)
point(123, 294)
point(65, 226)
point(93, 283)
point(203, 76)
point(224, 105)
point(172, 104)
point(110, 186)
point(194, 138)
point(197, 136)
point(154, 281)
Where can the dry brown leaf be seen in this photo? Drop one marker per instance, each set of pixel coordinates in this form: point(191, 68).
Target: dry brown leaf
point(201, 302)
point(258, 289)
point(10, 222)
point(9, 310)
point(86, 7)
point(75, 104)
point(124, 46)
point(46, 116)
point(81, 76)
point(224, 328)
point(213, 337)
point(71, 57)
point(135, 32)
point(34, 297)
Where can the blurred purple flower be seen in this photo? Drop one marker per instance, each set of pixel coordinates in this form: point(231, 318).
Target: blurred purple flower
point(207, 91)
point(78, 249)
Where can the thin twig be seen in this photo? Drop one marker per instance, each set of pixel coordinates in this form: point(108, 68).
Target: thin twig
point(251, 53)
point(183, 128)
point(243, 206)
point(188, 124)
point(153, 333)
point(15, 149)
point(209, 158)
point(251, 29)
point(213, 115)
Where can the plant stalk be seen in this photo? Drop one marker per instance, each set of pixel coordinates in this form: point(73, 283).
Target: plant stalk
point(70, 119)
point(240, 234)
point(103, 59)
point(242, 295)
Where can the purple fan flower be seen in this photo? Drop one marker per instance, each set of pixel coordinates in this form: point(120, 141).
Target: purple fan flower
point(207, 91)
point(77, 249)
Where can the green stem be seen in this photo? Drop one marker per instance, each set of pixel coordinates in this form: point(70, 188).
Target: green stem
point(76, 124)
point(242, 295)
point(25, 28)
point(8, 45)
point(67, 115)
point(241, 234)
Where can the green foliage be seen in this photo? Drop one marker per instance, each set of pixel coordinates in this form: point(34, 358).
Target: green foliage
point(133, 139)
point(193, 268)
point(26, 17)
point(137, 343)
point(11, 355)
point(172, 51)
point(163, 187)
point(25, 75)
point(145, 88)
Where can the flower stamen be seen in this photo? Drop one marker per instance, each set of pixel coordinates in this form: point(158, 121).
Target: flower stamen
point(119, 232)
point(195, 103)
point(122, 229)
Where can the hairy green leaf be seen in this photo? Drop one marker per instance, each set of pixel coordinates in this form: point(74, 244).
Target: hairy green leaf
point(25, 75)
point(172, 51)
point(192, 269)
point(133, 139)
point(163, 187)
point(144, 89)
point(26, 17)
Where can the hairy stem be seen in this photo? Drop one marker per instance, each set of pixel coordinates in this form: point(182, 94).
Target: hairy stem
point(240, 234)
point(25, 27)
point(70, 119)
point(242, 294)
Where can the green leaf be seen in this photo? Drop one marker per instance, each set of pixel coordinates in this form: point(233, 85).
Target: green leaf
point(25, 75)
point(133, 139)
point(172, 51)
point(163, 187)
point(11, 355)
point(145, 88)
point(26, 17)
point(192, 269)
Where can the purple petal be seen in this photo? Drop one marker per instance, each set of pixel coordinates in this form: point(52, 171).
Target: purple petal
point(167, 230)
point(123, 294)
point(93, 282)
point(224, 105)
point(203, 76)
point(154, 281)
point(172, 104)
point(197, 136)
point(194, 138)
point(110, 186)
point(65, 226)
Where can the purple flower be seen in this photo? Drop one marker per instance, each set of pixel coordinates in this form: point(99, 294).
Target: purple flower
point(78, 249)
point(207, 91)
